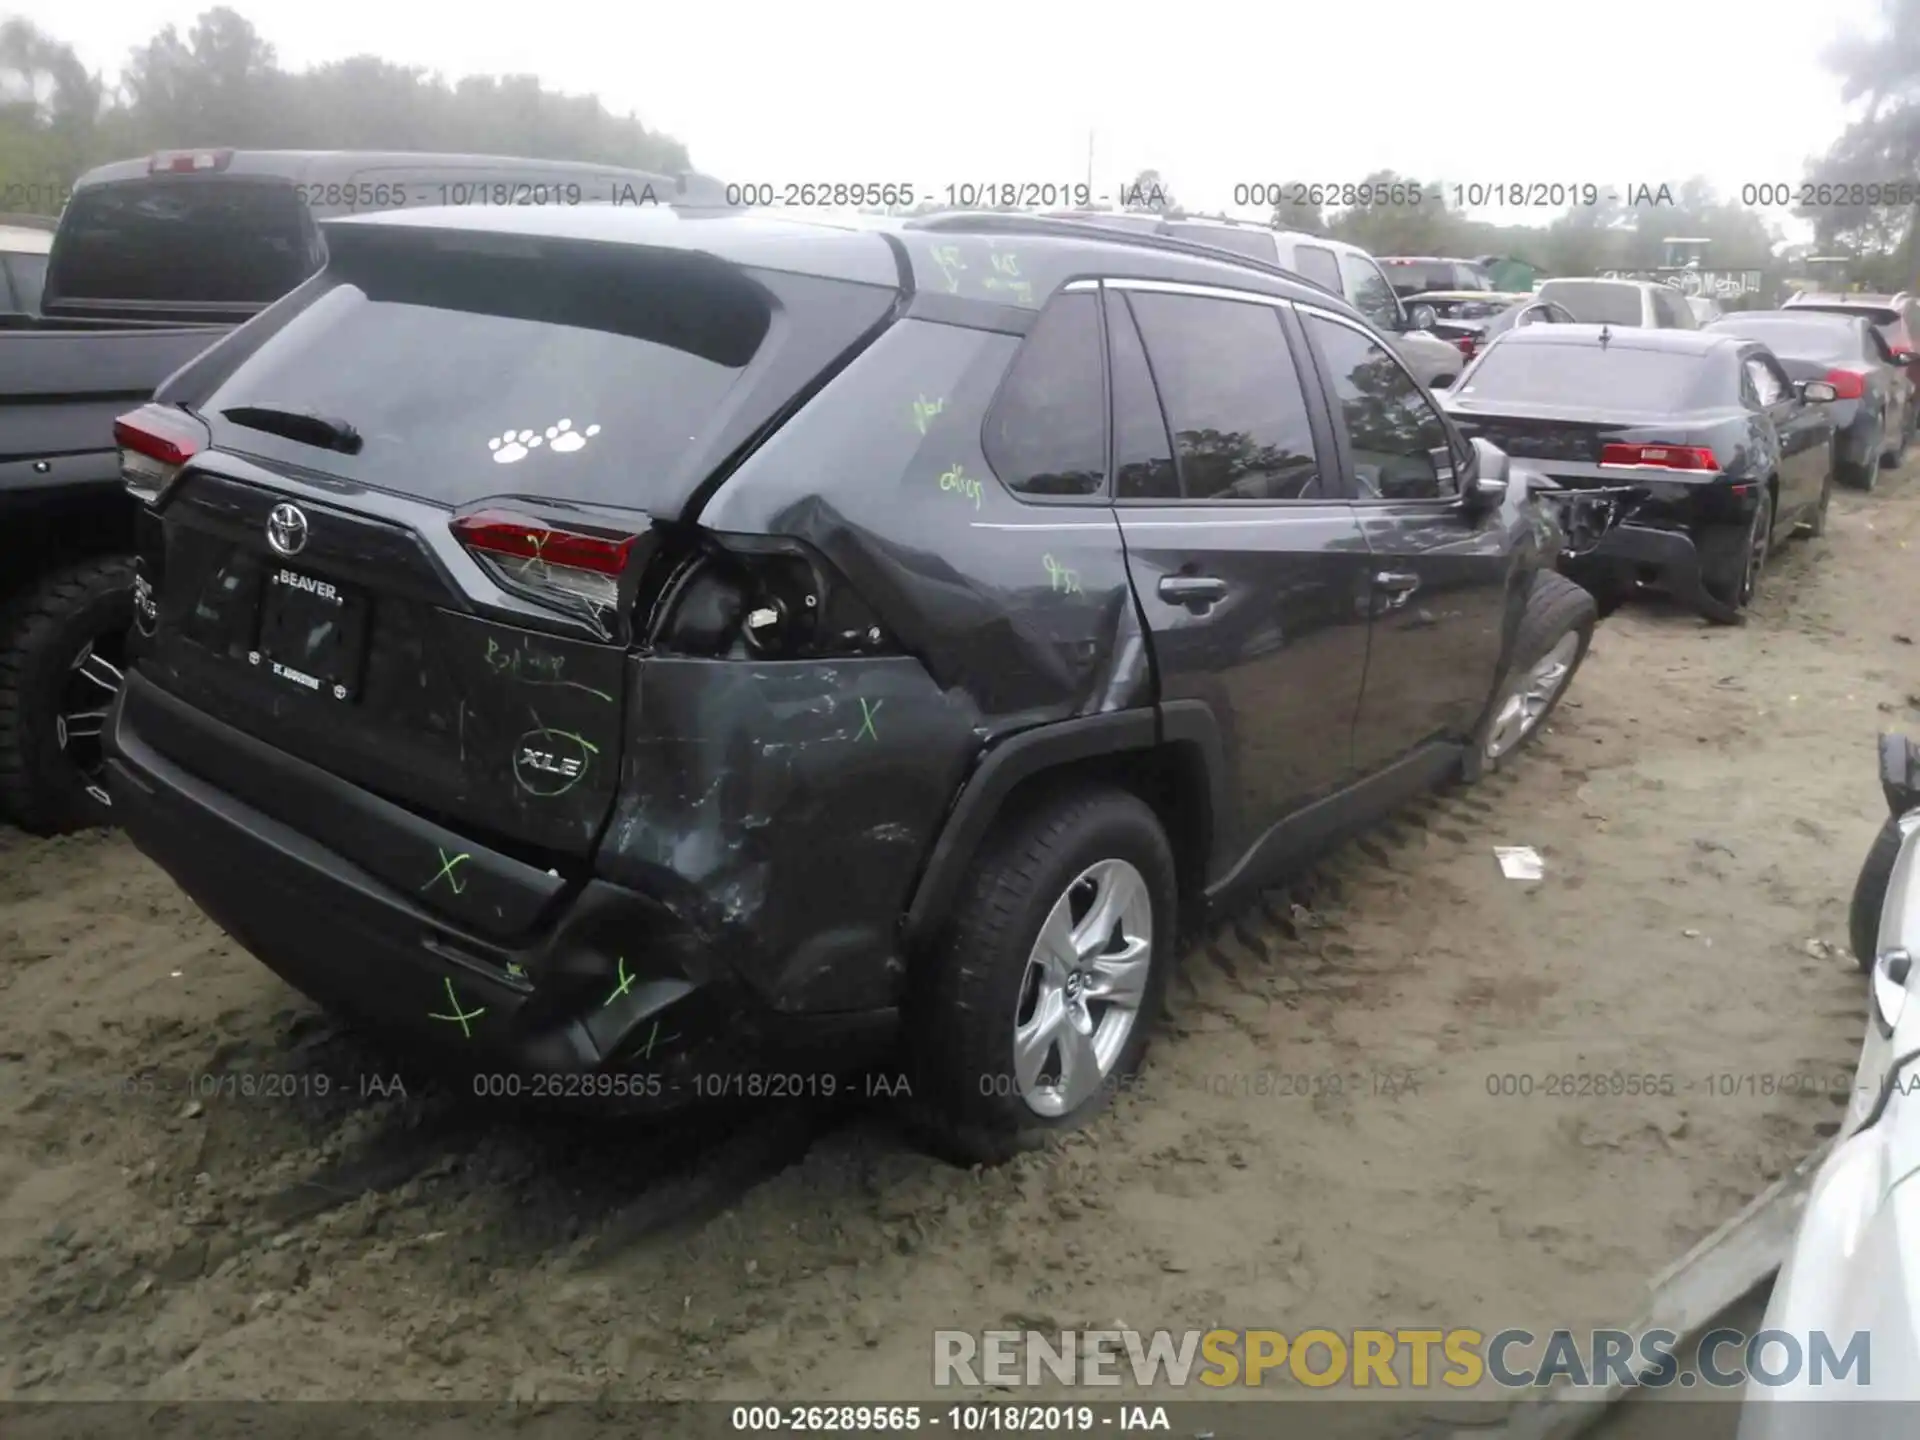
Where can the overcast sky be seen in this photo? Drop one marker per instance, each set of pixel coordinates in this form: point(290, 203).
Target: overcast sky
point(1212, 93)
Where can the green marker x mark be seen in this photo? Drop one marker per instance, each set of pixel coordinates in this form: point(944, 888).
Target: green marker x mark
point(459, 1016)
point(626, 984)
point(868, 711)
point(447, 864)
point(653, 1036)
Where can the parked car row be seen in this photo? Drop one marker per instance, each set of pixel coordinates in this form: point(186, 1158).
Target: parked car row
point(855, 641)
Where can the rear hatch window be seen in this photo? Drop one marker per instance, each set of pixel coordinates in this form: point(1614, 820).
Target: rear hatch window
point(1594, 302)
point(1606, 378)
point(1412, 277)
point(1256, 243)
point(182, 241)
point(473, 366)
point(1811, 338)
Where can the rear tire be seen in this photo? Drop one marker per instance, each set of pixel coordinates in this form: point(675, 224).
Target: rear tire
point(1863, 916)
point(1555, 632)
point(989, 986)
point(61, 646)
point(1731, 563)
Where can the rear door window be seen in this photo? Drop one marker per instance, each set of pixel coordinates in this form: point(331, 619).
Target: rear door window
point(1046, 433)
point(598, 373)
point(226, 241)
point(1233, 398)
point(1317, 263)
point(1368, 292)
point(1143, 467)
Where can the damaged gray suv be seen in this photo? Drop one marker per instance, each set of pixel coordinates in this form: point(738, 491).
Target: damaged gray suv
point(637, 655)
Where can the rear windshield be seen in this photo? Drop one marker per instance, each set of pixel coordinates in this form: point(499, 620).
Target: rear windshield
point(1411, 277)
point(1594, 302)
point(1810, 337)
point(565, 370)
point(1257, 243)
point(190, 241)
point(1612, 377)
point(1878, 314)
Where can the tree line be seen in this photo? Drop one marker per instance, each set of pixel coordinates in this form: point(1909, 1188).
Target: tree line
point(221, 84)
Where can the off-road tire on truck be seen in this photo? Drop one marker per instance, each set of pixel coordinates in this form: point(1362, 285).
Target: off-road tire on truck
point(44, 633)
point(967, 996)
point(1544, 664)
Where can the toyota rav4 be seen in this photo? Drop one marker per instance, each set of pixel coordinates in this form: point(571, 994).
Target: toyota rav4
point(648, 645)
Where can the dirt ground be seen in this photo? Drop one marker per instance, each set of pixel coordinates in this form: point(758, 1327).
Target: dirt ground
point(183, 1215)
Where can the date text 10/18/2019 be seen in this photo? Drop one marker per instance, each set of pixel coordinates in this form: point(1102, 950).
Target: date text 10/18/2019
point(886, 1419)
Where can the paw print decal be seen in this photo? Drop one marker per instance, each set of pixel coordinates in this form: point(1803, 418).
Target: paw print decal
point(514, 445)
point(565, 439)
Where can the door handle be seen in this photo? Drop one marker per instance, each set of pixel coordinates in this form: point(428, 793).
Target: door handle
point(1397, 586)
point(1195, 591)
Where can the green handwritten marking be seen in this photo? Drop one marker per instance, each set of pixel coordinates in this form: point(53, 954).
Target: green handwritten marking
point(516, 970)
point(454, 882)
point(459, 1016)
point(867, 712)
point(1007, 263)
point(1063, 580)
point(626, 983)
point(652, 1036)
point(497, 658)
point(924, 410)
point(947, 257)
point(962, 484)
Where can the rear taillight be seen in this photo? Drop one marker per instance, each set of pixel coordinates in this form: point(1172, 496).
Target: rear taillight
point(1466, 345)
point(1847, 384)
point(156, 442)
point(760, 599)
point(189, 162)
point(533, 556)
point(1661, 457)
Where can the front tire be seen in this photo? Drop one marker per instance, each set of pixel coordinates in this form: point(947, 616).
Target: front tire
point(1038, 998)
point(1555, 632)
point(62, 644)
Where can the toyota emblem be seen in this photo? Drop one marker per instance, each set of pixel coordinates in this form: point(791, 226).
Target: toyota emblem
point(287, 529)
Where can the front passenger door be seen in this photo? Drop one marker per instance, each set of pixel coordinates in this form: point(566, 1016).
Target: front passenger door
point(1438, 592)
point(1802, 427)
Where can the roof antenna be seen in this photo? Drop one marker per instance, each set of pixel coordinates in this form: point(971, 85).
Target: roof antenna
point(1605, 334)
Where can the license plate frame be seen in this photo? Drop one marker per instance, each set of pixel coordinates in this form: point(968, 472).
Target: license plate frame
point(312, 636)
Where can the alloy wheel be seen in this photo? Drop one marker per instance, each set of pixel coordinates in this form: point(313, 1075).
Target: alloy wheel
point(1532, 696)
point(1085, 981)
point(1759, 542)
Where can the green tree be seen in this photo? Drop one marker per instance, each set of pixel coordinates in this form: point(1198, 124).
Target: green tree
point(1879, 71)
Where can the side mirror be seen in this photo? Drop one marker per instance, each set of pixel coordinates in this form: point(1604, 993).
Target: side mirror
point(1905, 357)
point(1422, 317)
point(1486, 477)
point(1818, 392)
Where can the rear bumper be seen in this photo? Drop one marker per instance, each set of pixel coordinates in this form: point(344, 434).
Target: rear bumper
point(610, 1002)
point(1651, 555)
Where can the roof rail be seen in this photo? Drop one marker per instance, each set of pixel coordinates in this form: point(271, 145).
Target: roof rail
point(1016, 224)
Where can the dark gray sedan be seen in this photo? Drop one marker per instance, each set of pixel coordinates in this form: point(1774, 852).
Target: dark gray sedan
point(1874, 416)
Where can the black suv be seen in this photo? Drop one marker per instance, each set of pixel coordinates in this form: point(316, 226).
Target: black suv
point(634, 651)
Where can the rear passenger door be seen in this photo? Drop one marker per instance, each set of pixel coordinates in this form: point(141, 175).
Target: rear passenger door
point(1245, 556)
point(1437, 581)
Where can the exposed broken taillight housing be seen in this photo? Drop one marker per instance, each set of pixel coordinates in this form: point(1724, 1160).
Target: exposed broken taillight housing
point(156, 442)
point(565, 566)
point(760, 598)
